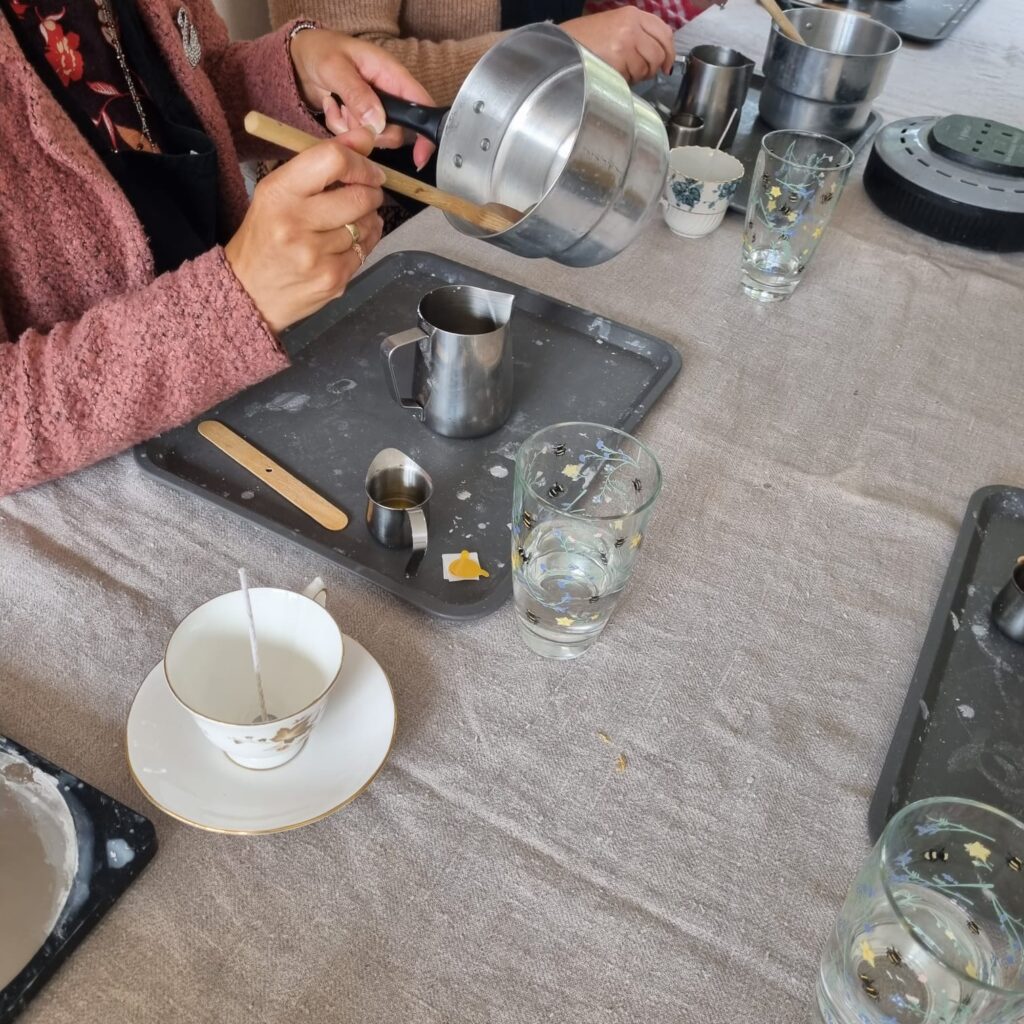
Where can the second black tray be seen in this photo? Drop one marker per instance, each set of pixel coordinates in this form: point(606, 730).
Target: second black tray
point(326, 416)
point(961, 731)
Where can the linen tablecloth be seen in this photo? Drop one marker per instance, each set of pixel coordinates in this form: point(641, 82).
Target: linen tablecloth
point(818, 456)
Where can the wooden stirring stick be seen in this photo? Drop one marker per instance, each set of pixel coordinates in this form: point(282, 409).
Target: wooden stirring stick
point(786, 27)
point(492, 217)
point(275, 476)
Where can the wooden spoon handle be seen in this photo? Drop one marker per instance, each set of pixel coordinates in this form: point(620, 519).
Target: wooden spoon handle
point(786, 27)
point(296, 140)
point(275, 476)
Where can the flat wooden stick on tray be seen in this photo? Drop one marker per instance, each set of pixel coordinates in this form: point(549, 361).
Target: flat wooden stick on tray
point(275, 476)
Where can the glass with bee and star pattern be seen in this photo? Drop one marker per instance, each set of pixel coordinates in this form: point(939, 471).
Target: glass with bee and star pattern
point(932, 930)
point(794, 189)
point(583, 496)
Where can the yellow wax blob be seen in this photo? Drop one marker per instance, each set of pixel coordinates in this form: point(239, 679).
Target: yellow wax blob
point(466, 568)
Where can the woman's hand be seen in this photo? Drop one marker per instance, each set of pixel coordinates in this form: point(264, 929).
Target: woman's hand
point(330, 62)
point(637, 44)
point(293, 252)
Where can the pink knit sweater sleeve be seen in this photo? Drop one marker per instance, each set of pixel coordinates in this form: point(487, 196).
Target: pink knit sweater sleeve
point(132, 366)
point(249, 75)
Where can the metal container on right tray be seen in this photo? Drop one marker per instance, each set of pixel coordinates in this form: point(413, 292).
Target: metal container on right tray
point(829, 84)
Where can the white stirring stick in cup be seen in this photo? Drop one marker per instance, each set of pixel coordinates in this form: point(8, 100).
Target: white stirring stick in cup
point(732, 117)
point(244, 580)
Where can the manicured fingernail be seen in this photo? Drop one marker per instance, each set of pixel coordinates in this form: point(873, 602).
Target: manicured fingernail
point(332, 115)
point(420, 164)
point(374, 121)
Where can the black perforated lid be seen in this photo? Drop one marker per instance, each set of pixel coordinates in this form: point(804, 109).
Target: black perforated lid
point(960, 179)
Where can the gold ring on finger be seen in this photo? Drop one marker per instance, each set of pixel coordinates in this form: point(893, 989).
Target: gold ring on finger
point(358, 250)
point(353, 230)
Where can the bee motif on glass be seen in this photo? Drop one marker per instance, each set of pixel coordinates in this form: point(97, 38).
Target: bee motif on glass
point(620, 542)
point(604, 557)
point(973, 928)
point(532, 617)
point(594, 598)
point(937, 853)
point(869, 986)
point(793, 197)
point(559, 450)
point(785, 209)
point(523, 556)
point(800, 268)
point(528, 521)
point(766, 180)
point(826, 197)
point(894, 955)
point(638, 484)
point(1014, 863)
point(555, 490)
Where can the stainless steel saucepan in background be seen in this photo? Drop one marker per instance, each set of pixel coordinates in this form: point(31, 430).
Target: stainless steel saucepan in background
point(830, 84)
point(543, 126)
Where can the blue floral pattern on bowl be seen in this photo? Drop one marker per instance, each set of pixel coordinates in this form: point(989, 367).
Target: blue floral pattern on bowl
point(727, 189)
point(686, 191)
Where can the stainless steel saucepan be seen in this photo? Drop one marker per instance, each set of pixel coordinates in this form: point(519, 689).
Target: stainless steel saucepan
point(545, 127)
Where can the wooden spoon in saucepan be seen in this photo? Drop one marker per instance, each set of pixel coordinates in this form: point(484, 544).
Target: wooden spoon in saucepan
point(492, 217)
point(786, 27)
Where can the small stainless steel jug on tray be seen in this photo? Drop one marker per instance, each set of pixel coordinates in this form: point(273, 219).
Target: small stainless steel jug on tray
point(462, 377)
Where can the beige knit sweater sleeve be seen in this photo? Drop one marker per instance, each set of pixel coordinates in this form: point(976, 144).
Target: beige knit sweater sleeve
point(439, 41)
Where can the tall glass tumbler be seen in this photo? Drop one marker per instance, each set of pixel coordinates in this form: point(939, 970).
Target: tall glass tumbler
point(795, 188)
point(932, 930)
point(583, 496)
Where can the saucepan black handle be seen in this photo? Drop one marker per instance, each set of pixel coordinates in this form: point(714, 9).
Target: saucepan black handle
point(428, 121)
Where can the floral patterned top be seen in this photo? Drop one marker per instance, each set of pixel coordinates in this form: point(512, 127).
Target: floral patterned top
point(171, 182)
point(76, 39)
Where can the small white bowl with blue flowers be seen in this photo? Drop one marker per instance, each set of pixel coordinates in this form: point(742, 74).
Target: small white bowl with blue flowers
point(700, 185)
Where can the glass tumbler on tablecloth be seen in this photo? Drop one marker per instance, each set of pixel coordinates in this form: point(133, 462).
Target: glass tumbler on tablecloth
point(795, 188)
point(932, 930)
point(583, 496)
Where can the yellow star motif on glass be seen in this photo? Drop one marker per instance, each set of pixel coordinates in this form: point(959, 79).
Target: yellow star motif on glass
point(979, 851)
point(817, 232)
point(565, 620)
point(775, 191)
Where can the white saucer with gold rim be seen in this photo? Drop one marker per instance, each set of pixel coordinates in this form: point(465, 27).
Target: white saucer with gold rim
point(187, 777)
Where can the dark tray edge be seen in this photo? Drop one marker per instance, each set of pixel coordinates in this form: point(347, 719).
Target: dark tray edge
point(880, 809)
point(496, 598)
point(25, 986)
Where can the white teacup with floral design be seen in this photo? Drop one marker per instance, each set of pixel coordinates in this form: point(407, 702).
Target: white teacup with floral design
point(209, 670)
point(701, 183)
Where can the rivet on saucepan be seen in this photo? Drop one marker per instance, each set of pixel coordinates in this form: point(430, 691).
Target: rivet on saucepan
point(485, 144)
point(457, 160)
point(478, 106)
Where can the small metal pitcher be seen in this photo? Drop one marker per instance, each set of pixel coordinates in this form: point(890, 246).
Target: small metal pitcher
point(398, 492)
point(462, 380)
point(714, 85)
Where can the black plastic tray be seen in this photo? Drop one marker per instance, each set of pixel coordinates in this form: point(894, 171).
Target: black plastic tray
point(920, 21)
point(747, 144)
point(114, 845)
point(961, 731)
point(326, 416)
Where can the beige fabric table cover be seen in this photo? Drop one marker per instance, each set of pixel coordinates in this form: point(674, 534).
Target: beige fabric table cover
point(818, 457)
